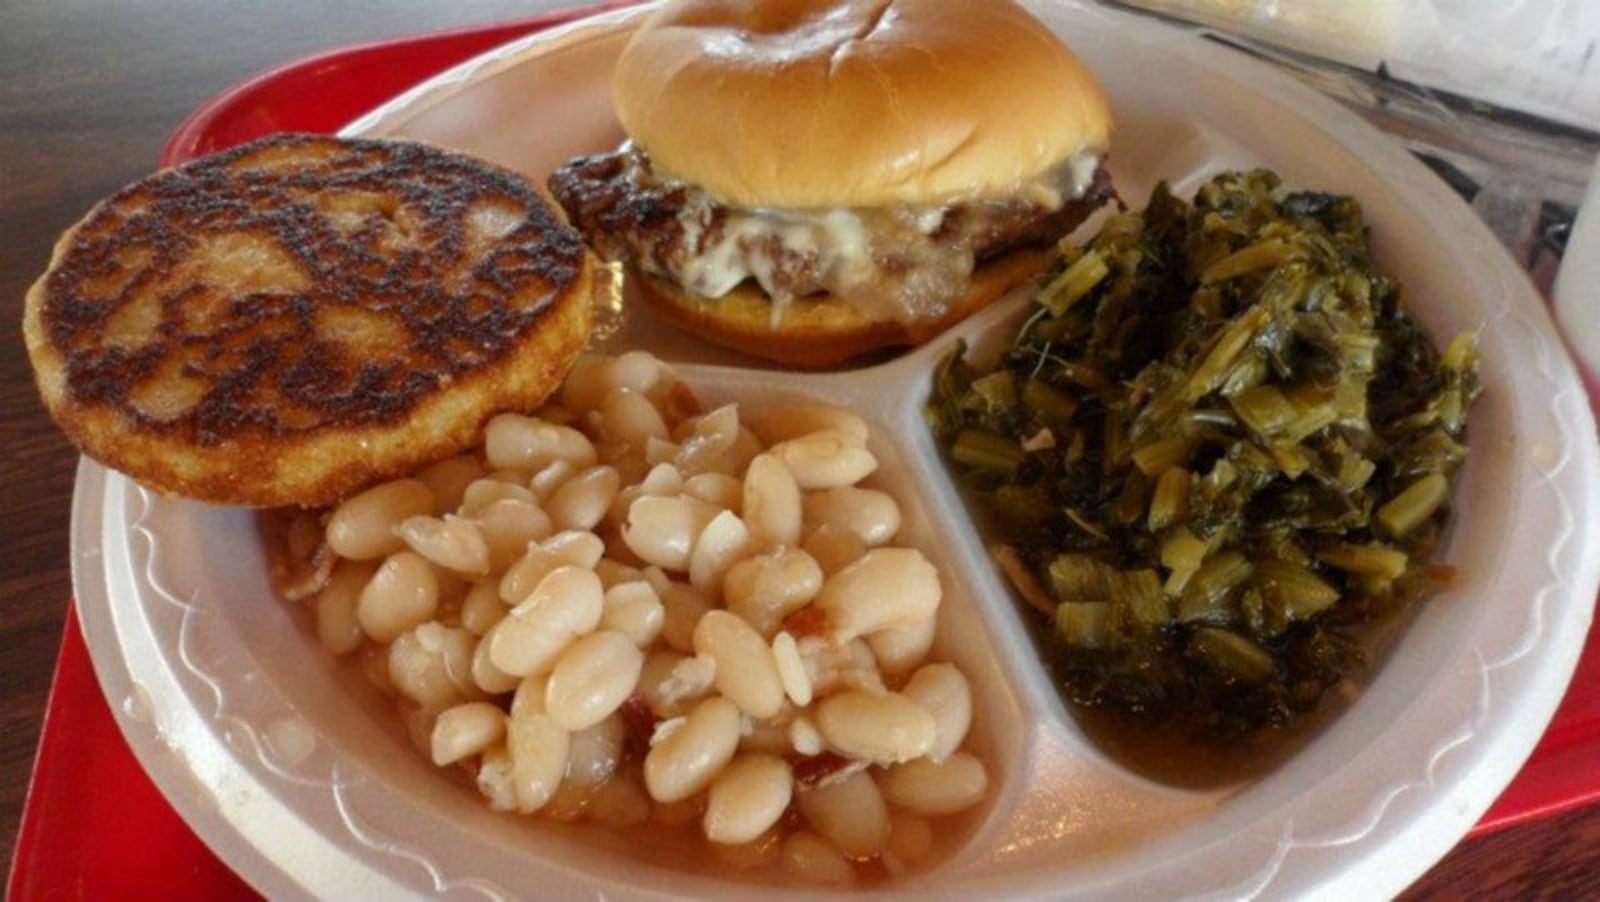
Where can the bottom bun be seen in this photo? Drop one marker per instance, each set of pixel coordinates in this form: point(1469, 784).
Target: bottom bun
point(821, 330)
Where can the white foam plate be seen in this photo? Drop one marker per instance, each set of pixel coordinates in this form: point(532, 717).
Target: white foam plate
point(303, 782)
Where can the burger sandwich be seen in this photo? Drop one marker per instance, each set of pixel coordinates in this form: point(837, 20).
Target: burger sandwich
point(811, 180)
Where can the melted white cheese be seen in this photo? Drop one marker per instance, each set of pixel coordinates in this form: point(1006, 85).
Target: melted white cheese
point(836, 241)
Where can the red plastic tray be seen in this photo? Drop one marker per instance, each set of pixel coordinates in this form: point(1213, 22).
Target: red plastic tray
point(135, 845)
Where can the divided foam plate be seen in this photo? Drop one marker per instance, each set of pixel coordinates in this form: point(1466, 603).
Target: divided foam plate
point(307, 787)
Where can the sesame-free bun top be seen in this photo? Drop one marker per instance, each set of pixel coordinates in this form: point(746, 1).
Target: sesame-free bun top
point(831, 103)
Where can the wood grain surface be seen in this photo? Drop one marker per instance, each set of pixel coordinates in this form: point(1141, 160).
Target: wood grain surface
point(89, 93)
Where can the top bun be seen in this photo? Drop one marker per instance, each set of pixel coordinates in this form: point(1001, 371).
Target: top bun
point(830, 103)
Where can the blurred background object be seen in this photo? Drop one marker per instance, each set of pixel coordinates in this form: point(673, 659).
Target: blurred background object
point(1577, 287)
point(1500, 97)
point(1536, 56)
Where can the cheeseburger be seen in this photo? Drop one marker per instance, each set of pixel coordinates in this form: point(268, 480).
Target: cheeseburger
point(809, 180)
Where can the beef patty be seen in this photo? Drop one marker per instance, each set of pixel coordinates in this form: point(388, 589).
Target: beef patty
point(901, 263)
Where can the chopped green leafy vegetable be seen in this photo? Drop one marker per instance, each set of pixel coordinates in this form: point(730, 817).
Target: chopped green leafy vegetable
point(1219, 447)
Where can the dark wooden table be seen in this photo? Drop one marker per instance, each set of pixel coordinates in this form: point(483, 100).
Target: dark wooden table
point(89, 93)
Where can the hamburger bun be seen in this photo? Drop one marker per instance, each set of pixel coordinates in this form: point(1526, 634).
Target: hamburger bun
point(811, 180)
point(818, 331)
point(854, 103)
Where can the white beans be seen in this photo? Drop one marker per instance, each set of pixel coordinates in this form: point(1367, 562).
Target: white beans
point(825, 460)
point(772, 503)
point(629, 417)
point(538, 747)
point(584, 387)
point(488, 677)
point(887, 587)
point(658, 452)
point(804, 737)
point(802, 418)
point(658, 579)
point(592, 377)
point(516, 442)
point(670, 682)
point(634, 610)
point(769, 736)
point(619, 802)
point(494, 778)
point(850, 813)
point(545, 482)
point(834, 548)
point(613, 573)
point(769, 587)
point(831, 667)
point(808, 859)
point(567, 603)
point(466, 730)
point(663, 480)
point(593, 677)
point(747, 675)
point(872, 515)
point(713, 436)
point(638, 370)
point(747, 798)
point(733, 440)
point(450, 542)
point(943, 692)
point(595, 752)
point(570, 800)
point(337, 625)
point(723, 542)
point(791, 669)
point(432, 665)
point(936, 789)
point(686, 761)
point(621, 562)
point(483, 492)
point(555, 413)
point(745, 448)
point(584, 499)
point(716, 489)
point(362, 528)
point(481, 608)
point(401, 594)
point(576, 549)
point(662, 531)
point(898, 649)
point(508, 525)
point(881, 727)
